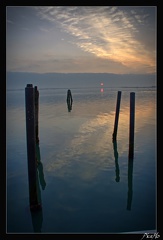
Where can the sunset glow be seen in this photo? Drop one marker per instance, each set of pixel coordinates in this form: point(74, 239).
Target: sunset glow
point(116, 39)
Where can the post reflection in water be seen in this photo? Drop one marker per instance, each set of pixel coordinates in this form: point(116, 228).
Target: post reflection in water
point(37, 215)
point(130, 190)
point(117, 179)
point(69, 106)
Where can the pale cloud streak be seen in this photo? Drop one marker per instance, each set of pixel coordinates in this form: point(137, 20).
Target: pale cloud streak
point(9, 21)
point(106, 32)
point(71, 64)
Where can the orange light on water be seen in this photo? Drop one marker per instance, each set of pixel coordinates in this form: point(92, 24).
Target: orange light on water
point(102, 90)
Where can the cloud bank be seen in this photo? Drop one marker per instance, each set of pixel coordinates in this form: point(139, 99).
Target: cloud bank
point(109, 33)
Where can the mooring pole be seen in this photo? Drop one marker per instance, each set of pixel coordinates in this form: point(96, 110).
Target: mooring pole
point(40, 168)
point(132, 125)
point(31, 146)
point(36, 113)
point(117, 115)
point(69, 100)
point(117, 179)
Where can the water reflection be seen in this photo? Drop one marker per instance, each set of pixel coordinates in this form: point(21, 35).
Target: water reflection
point(37, 220)
point(69, 106)
point(130, 190)
point(117, 179)
point(93, 120)
point(101, 90)
point(37, 215)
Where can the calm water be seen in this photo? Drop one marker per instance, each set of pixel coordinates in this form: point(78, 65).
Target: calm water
point(86, 184)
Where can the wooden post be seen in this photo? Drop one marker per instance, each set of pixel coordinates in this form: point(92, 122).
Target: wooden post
point(31, 146)
point(130, 191)
point(132, 125)
point(37, 216)
point(69, 100)
point(117, 115)
point(40, 168)
point(117, 179)
point(36, 113)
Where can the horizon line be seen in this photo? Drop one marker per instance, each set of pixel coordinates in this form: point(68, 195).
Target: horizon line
point(154, 73)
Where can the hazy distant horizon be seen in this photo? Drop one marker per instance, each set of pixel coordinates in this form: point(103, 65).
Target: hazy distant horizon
point(15, 80)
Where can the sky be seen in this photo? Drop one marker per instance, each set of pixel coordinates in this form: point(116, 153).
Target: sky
point(81, 39)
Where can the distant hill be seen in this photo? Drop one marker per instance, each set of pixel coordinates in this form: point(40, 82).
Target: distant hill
point(19, 80)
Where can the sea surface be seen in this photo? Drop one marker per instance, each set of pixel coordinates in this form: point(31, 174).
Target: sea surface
point(87, 184)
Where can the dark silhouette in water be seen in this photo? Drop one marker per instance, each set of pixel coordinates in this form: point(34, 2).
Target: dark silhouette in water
point(37, 220)
point(37, 215)
point(69, 100)
point(130, 190)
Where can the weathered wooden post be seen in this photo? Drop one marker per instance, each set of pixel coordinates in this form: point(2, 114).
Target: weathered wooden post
point(131, 149)
point(69, 100)
point(40, 168)
point(132, 125)
point(117, 115)
point(31, 146)
point(117, 179)
point(36, 113)
point(37, 216)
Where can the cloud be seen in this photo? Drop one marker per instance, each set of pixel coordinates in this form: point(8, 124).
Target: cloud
point(9, 21)
point(106, 32)
point(44, 29)
point(89, 64)
point(25, 29)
